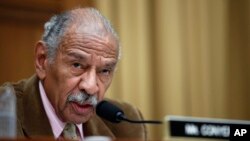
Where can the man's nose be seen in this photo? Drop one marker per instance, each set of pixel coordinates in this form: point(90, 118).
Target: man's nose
point(89, 83)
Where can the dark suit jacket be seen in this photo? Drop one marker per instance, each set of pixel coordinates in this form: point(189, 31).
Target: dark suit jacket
point(32, 120)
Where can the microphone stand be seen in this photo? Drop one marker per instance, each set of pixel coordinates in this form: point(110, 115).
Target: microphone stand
point(121, 117)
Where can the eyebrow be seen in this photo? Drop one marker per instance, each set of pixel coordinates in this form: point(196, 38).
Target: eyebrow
point(111, 64)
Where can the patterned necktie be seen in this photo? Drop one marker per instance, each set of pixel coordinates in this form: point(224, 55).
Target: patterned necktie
point(69, 132)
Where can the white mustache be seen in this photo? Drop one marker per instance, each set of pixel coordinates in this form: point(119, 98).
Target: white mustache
point(83, 98)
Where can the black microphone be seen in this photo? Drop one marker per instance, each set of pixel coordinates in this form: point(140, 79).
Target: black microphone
point(114, 114)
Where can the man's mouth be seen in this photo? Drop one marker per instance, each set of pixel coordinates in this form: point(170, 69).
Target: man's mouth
point(82, 109)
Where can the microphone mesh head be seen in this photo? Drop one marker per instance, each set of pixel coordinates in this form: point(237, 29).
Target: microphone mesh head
point(109, 111)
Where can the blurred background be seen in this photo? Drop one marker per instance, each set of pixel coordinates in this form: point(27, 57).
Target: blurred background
point(179, 57)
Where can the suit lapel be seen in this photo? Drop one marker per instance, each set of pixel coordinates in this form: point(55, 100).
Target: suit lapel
point(95, 126)
point(34, 121)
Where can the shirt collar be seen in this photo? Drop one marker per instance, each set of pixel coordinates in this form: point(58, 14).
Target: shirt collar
point(56, 124)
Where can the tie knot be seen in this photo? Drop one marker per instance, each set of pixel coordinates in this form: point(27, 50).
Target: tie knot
point(69, 131)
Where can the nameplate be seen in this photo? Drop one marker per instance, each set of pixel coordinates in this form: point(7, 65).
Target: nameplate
point(210, 128)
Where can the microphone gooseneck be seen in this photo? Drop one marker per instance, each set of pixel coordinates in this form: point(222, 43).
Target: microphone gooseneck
point(114, 114)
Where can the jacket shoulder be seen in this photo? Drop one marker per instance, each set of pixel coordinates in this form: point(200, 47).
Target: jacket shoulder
point(18, 87)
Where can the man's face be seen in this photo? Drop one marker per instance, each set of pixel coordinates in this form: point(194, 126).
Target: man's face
point(84, 64)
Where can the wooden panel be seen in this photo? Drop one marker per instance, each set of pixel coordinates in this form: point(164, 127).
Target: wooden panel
point(21, 23)
point(28, 10)
point(21, 26)
point(16, 50)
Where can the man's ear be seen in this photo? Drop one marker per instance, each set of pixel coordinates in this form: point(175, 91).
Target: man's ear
point(41, 60)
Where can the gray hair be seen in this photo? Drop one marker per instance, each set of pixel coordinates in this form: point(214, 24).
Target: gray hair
point(55, 28)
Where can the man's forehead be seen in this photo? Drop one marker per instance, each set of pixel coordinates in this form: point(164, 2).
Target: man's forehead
point(85, 37)
point(104, 46)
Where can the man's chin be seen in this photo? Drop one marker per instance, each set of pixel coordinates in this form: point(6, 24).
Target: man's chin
point(77, 119)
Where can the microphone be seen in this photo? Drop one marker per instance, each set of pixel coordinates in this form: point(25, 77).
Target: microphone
point(114, 114)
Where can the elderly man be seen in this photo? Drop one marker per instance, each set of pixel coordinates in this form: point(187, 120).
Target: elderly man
point(74, 62)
